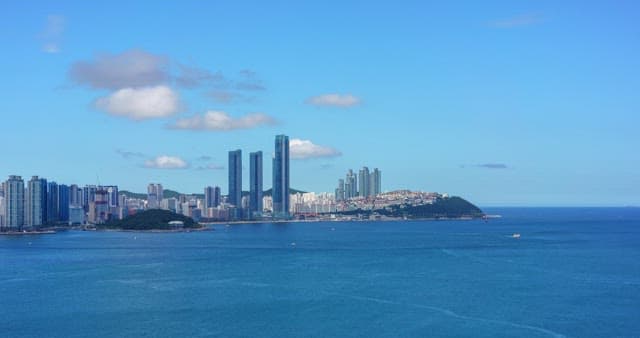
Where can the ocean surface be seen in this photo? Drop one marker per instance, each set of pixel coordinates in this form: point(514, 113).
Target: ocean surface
point(574, 272)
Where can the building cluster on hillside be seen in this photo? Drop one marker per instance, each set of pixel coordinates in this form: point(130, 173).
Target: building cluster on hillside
point(365, 185)
point(383, 200)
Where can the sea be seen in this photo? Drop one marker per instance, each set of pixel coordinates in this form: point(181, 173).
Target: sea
point(573, 272)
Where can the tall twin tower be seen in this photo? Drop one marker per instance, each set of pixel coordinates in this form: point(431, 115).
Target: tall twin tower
point(280, 191)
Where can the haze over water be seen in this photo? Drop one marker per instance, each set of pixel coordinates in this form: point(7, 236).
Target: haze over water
point(574, 272)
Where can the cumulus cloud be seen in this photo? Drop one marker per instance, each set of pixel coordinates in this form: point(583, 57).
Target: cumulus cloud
point(140, 103)
point(518, 21)
point(166, 162)
point(305, 149)
point(191, 77)
point(52, 34)
point(221, 121)
point(334, 100)
point(132, 68)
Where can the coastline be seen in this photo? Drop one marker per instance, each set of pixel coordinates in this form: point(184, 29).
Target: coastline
point(391, 219)
point(26, 233)
point(208, 226)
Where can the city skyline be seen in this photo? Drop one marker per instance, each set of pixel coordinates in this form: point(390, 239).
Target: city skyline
point(514, 104)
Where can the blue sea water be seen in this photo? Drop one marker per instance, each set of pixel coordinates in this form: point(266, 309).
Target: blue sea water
point(574, 272)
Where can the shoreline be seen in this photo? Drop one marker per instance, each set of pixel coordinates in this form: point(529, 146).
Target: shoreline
point(208, 226)
point(462, 218)
point(25, 233)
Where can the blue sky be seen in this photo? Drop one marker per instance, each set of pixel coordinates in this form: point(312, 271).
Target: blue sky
point(503, 103)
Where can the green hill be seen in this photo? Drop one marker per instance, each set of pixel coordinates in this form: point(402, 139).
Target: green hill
point(451, 207)
point(154, 219)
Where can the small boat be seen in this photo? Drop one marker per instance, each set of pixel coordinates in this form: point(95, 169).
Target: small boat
point(516, 235)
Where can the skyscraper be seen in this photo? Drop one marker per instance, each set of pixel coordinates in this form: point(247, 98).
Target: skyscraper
point(36, 202)
point(75, 195)
point(340, 193)
point(112, 195)
point(280, 191)
point(217, 198)
point(155, 194)
point(375, 183)
point(350, 185)
point(53, 209)
point(14, 202)
point(255, 182)
point(211, 197)
point(63, 203)
point(363, 182)
point(88, 196)
point(99, 208)
point(235, 178)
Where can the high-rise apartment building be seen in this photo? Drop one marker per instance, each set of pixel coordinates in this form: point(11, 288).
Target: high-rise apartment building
point(363, 182)
point(235, 178)
point(36, 202)
point(99, 208)
point(255, 182)
point(350, 185)
point(375, 183)
point(53, 210)
point(75, 195)
point(340, 193)
point(155, 194)
point(63, 203)
point(280, 191)
point(14, 203)
point(112, 195)
point(211, 199)
point(88, 196)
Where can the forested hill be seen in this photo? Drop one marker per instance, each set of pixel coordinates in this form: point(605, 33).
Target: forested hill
point(153, 219)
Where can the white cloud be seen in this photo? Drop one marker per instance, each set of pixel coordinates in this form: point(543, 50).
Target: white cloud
point(192, 77)
point(52, 33)
point(305, 149)
point(221, 121)
point(166, 162)
point(132, 68)
point(334, 100)
point(140, 103)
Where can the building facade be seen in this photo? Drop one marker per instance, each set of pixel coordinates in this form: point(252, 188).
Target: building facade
point(53, 209)
point(255, 183)
point(14, 203)
point(363, 182)
point(375, 183)
point(280, 191)
point(36, 202)
point(235, 178)
point(155, 194)
point(63, 203)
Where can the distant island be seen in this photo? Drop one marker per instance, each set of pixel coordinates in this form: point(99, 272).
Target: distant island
point(153, 219)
